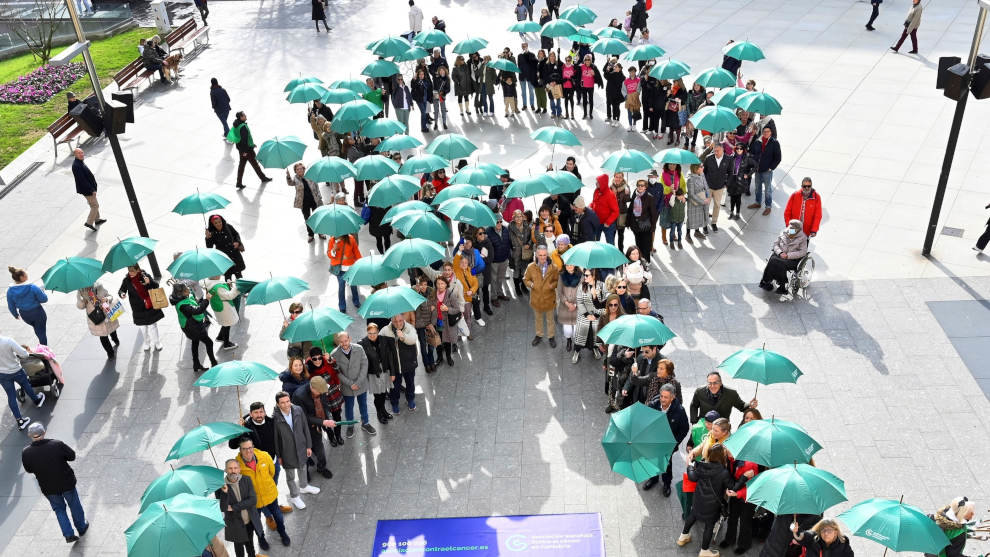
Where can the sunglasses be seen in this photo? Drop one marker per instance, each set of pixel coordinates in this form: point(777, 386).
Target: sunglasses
point(613, 305)
point(805, 187)
point(587, 275)
point(296, 312)
point(317, 358)
point(620, 287)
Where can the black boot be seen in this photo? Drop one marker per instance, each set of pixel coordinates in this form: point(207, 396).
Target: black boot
point(518, 284)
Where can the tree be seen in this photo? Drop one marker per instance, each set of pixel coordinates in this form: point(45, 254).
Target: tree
point(35, 22)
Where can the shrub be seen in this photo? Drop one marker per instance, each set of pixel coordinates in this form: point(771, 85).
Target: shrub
point(41, 84)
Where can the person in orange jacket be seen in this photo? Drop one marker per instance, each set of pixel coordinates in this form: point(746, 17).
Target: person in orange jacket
point(805, 205)
point(605, 205)
point(343, 252)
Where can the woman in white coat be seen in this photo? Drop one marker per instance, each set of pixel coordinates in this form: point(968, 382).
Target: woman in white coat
point(100, 325)
point(221, 295)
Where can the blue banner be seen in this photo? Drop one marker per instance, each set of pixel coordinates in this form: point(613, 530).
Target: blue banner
point(549, 535)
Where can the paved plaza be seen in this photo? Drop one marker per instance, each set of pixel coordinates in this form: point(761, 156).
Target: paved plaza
point(514, 429)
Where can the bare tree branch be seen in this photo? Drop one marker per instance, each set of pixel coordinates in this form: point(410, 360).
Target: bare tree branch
point(35, 23)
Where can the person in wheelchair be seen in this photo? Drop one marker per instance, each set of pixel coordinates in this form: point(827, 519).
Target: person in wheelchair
point(788, 249)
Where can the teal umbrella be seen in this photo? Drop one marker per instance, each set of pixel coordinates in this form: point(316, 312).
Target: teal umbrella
point(382, 127)
point(200, 203)
point(306, 92)
point(728, 96)
point(390, 301)
point(356, 85)
point(526, 187)
point(414, 224)
point(492, 167)
point(563, 182)
point(504, 65)
point(635, 331)
point(203, 437)
point(339, 96)
point(760, 365)
point(316, 324)
point(594, 255)
point(475, 176)
point(796, 489)
point(644, 52)
point(579, 15)
point(420, 164)
point(371, 270)
point(743, 50)
point(380, 68)
point(330, 169)
point(335, 220)
point(405, 206)
point(451, 146)
point(670, 69)
point(292, 84)
point(194, 480)
point(628, 160)
point(398, 143)
point(558, 28)
point(468, 211)
point(638, 442)
point(357, 110)
point(391, 190)
point(524, 27)
point(281, 151)
point(613, 33)
point(895, 525)
point(469, 45)
point(432, 39)
point(236, 373)
point(413, 252)
point(715, 119)
point(200, 263)
point(179, 526)
point(460, 190)
point(716, 77)
point(772, 443)
point(609, 46)
point(341, 125)
point(375, 167)
point(583, 36)
point(72, 273)
point(555, 135)
point(759, 102)
point(676, 156)
point(276, 289)
point(390, 46)
point(414, 53)
point(127, 252)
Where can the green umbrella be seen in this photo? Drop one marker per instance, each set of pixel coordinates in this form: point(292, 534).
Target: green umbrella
point(281, 151)
point(306, 92)
point(432, 39)
point(759, 102)
point(204, 437)
point(558, 28)
point(896, 525)
point(330, 169)
point(772, 443)
point(760, 365)
point(420, 164)
point(565, 182)
point(316, 324)
point(178, 526)
point(390, 301)
point(460, 190)
point(451, 146)
point(469, 45)
point(613, 33)
point(339, 96)
point(405, 206)
point(468, 211)
point(493, 168)
point(341, 125)
point(414, 224)
point(504, 65)
point(382, 127)
point(390, 46)
point(638, 442)
point(413, 252)
point(357, 110)
point(676, 156)
point(743, 50)
point(715, 119)
point(236, 373)
point(670, 69)
point(335, 220)
point(200, 203)
point(380, 68)
point(356, 85)
point(555, 135)
point(398, 143)
point(292, 84)
point(609, 46)
point(370, 270)
point(594, 255)
point(475, 176)
point(127, 252)
point(628, 160)
point(716, 77)
point(796, 489)
point(414, 53)
point(72, 273)
point(276, 289)
point(579, 15)
point(194, 480)
point(531, 185)
point(644, 52)
point(524, 27)
point(583, 36)
point(635, 331)
point(375, 167)
point(728, 96)
point(200, 263)
point(391, 190)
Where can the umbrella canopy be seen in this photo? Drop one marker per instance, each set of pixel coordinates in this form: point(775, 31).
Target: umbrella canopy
point(524, 27)
point(194, 480)
point(645, 52)
point(715, 119)
point(432, 39)
point(398, 143)
point(772, 443)
point(127, 252)
point(422, 163)
point(375, 167)
point(566, 182)
point(475, 176)
point(276, 289)
point(413, 252)
point(370, 270)
point(555, 135)
point(760, 365)
point(579, 15)
point(292, 84)
point(716, 77)
point(760, 102)
point(635, 331)
point(341, 125)
point(469, 45)
point(339, 96)
point(281, 151)
point(181, 525)
point(638, 442)
point(493, 168)
point(728, 96)
point(451, 146)
point(200, 203)
point(235, 373)
point(316, 324)
point(330, 169)
point(531, 185)
point(796, 489)
point(594, 255)
point(382, 127)
point(670, 69)
point(405, 206)
point(391, 190)
point(558, 28)
point(204, 436)
point(414, 224)
point(628, 160)
point(306, 92)
point(200, 263)
point(613, 33)
point(896, 525)
point(504, 65)
point(357, 110)
point(460, 190)
point(335, 220)
point(356, 85)
point(72, 273)
point(468, 211)
point(380, 68)
point(390, 46)
point(676, 156)
point(610, 46)
point(414, 53)
point(390, 301)
point(583, 36)
point(743, 50)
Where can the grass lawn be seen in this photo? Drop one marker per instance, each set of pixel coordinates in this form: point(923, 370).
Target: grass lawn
point(22, 124)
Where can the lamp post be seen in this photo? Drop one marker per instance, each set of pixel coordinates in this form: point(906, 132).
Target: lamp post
point(950, 148)
point(82, 45)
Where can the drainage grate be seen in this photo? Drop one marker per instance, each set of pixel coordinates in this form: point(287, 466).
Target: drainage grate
point(954, 232)
point(20, 178)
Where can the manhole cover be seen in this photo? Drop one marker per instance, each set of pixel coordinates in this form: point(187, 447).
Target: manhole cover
point(954, 232)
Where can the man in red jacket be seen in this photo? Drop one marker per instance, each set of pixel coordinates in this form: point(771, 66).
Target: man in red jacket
point(805, 205)
point(606, 207)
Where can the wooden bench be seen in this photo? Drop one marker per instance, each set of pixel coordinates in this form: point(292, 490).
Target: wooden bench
point(185, 35)
point(64, 130)
point(132, 75)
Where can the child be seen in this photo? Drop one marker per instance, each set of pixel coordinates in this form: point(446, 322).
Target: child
point(678, 206)
point(633, 104)
point(628, 22)
point(509, 92)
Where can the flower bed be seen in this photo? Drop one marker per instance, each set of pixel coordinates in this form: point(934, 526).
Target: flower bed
point(41, 84)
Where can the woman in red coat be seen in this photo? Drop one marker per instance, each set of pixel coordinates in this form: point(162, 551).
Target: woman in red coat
point(605, 205)
point(805, 205)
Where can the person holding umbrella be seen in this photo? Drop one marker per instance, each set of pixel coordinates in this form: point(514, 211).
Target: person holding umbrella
point(96, 302)
point(716, 397)
point(193, 322)
point(307, 197)
point(135, 287)
point(669, 403)
point(221, 295)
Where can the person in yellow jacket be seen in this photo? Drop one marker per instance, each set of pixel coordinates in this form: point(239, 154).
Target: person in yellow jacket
point(462, 270)
point(343, 252)
point(259, 467)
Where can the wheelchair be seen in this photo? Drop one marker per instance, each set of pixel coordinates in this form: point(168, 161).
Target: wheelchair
point(799, 279)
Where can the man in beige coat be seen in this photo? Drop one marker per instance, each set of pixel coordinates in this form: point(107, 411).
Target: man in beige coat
point(541, 280)
point(911, 24)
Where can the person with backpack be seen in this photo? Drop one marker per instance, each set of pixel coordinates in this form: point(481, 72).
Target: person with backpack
point(221, 295)
point(714, 484)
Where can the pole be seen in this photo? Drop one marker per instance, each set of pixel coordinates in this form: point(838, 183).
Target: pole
point(950, 148)
point(118, 155)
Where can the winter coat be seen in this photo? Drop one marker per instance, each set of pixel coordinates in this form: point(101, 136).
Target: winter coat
point(702, 403)
point(193, 318)
point(955, 531)
point(406, 351)
point(375, 226)
point(815, 546)
point(141, 311)
point(300, 184)
point(425, 314)
point(84, 301)
point(463, 85)
point(647, 215)
point(262, 477)
point(697, 209)
point(353, 369)
point(767, 158)
point(383, 363)
point(422, 91)
point(235, 530)
point(604, 204)
point(501, 244)
point(318, 13)
point(223, 240)
point(24, 297)
point(565, 315)
point(520, 235)
point(740, 178)
point(220, 100)
point(528, 67)
point(709, 495)
point(468, 283)
point(638, 16)
point(48, 460)
point(676, 418)
point(538, 233)
point(613, 87)
point(542, 286)
point(85, 181)
point(795, 246)
point(588, 302)
point(717, 175)
point(636, 384)
point(331, 402)
point(454, 301)
point(780, 535)
point(597, 76)
point(292, 442)
point(913, 18)
point(588, 227)
point(622, 197)
point(808, 211)
point(227, 314)
point(290, 382)
point(441, 86)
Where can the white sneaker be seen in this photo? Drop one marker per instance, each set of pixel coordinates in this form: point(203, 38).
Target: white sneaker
point(147, 347)
point(480, 322)
point(158, 347)
point(310, 489)
point(297, 502)
point(575, 357)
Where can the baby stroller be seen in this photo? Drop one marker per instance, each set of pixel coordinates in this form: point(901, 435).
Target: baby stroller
point(42, 376)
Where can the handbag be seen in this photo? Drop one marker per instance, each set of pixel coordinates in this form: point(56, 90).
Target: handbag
point(556, 90)
point(621, 221)
point(672, 106)
point(527, 253)
point(453, 318)
point(365, 213)
point(433, 337)
point(159, 300)
point(98, 315)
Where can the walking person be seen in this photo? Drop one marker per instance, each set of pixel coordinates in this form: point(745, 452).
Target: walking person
point(320, 15)
point(135, 288)
point(24, 302)
point(981, 242)
point(220, 101)
point(204, 10)
point(293, 446)
point(86, 187)
point(96, 302)
point(12, 372)
point(415, 19)
point(239, 505)
point(637, 18)
point(542, 280)
point(766, 153)
point(911, 23)
point(48, 460)
point(222, 235)
point(193, 322)
point(352, 363)
point(874, 14)
point(240, 134)
point(221, 294)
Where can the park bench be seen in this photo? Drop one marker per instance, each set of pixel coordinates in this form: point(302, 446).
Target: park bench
point(132, 75)
point(185, 35)
point(64, 130)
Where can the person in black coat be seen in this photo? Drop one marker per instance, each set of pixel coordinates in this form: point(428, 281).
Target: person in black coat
point(135, 287)
point(715, 483)
point(306, 397)
point(741, 172)
point(193, 321)
point(653, 99)
point(501, 242)
point(668, 403)
point(383, 364)
point(644, 224)
point(237, 499)
point(487, 250)
point(614, 96)
point(586, 227)
point(245, 149)
point(560, 206)
point(553, 6)
point(637, 18)
point(825, 539)
point(319, 109)
point(765, 151)
point(716, 397)
point(223, 236)
point(86, 187)
point(546, 43)
point(984, 238)
point(319, 14)
point(731, 64)
point(780, 536)
point(221, 104)
point(528, 76)
point(716, 168)
point(48, 460)
point(422, 95)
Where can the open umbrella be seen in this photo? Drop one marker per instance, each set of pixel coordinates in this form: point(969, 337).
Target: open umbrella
point(628, 160)
point(412, 205)
point(594, 255)
point(759, 102)
point(341, 125)
point(676, 156)
point(432, 39)
point(390, 301)
point(382, 127)
point(200, 203)
point(391, 190)
point(413, 252)
point(558, 28)
point(579, 15)
point(356, 85)
point(451, 146)
point(772, 443)
point(276, 289)
point(306, 92)
point(460, 190)
point(528, 186)
point(194, 480)
point(743, 50)
point(716, 77)
point(179, 526)
point(357, 110)
point(200, 263)
point(281, 151)
point(895, 525)
point(475, 176)
point(127, 252)
point(524, 27)
point(203, 437)
point(566, 182)
point(370, 270)
point(293, 83)
point(375, 167)
point(469, 45)
point(728, 96)
point(555, 135)
point(644, 52)
point(420, 164)
point(613, 33)
point(468, 211)
point(760, 365)
point(398, 143)
point(316, 324)
point(414, 224)
point(609, 46)
point(234, 374)
point(635, 331)
point(414, 53)
point(796, 489)
point(380, 68)
point(330, 169)
point(492, 167)
point(72, 273)
point(504, 65)
point(583, 36)
point(715, 119)
point(670, 69)
point(390, 46)
point(638, 442)
point(335, 220)
point(339, 96)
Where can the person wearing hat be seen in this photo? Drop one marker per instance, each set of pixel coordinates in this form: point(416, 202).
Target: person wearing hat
point(48, 460)
point(73, 101)
point(715, 396)
point(586, 226)
point(294, 445)
point(788, 249)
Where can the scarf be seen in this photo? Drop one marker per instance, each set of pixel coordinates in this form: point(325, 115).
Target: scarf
point(140, 289)
point(713, 397)
point(318, 406)
point(570, 280)
point(234, 486)
point(638, 205)
point(738, 163)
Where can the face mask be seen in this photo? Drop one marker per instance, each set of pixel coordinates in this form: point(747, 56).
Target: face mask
point(792, 231)
point(653, 180)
